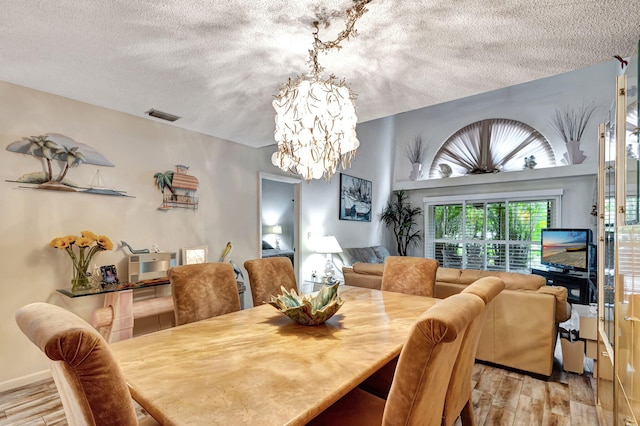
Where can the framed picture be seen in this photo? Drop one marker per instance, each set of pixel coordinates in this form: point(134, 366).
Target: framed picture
point(355, 198)
point(198, 254)
point(109, 275)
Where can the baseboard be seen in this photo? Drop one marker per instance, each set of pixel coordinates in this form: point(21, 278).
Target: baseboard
point(24, 380)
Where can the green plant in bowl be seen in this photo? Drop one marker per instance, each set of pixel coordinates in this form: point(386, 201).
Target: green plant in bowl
point(308, 310)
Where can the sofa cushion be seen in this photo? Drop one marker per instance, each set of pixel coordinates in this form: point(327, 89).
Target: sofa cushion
point(373, 254)
point(512, 280)
point(449, 275)
point(381, 253)
point(368, 268)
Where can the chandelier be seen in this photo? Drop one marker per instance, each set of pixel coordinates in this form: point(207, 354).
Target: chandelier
point(316, 117)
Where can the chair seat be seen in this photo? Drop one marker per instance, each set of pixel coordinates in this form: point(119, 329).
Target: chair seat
point(355, 408)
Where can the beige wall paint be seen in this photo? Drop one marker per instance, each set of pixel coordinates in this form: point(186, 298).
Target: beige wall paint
point(138, 147)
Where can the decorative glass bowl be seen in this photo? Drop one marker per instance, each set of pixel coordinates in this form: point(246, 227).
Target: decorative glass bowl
point(308, 310)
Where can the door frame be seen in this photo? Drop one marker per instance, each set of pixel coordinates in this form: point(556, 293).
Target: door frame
point(297, 213)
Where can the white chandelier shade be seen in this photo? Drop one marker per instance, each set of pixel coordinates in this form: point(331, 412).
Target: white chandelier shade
point(315, 127)
point(316, 117)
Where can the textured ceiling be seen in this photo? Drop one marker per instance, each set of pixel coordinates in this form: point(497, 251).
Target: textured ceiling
point(218, 64)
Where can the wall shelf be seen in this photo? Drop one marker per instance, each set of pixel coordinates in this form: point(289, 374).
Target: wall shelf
point(585, 169)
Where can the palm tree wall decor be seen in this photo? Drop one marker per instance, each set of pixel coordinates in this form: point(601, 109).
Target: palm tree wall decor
point(56, 147)
point(182, 187)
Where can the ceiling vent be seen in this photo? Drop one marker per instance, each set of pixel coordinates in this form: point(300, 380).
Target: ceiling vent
point(162, 115)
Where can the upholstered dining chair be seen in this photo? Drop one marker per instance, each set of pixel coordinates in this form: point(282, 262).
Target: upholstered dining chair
point(267, 275)
point(203, 290)
point(422, 376)
point(458, 399)
point(91, 386)
point(410, 275)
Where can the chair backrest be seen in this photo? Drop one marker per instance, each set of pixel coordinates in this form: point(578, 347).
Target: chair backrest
point(203, 290)
point(424, 367)
point(267, 275)
point(91, 385)
point(459, 390)
point(410, 275)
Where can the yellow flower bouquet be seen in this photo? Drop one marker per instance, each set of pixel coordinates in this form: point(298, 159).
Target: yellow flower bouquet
point(87, 245)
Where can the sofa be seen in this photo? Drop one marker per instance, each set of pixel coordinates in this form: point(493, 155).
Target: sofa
point(521, 326)
point(371, 254)
point(363, 255)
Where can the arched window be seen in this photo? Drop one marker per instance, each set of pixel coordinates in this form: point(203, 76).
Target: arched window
point(490, 146)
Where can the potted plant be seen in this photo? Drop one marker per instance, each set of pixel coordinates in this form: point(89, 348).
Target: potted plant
point(415, 153)
point(401, 218)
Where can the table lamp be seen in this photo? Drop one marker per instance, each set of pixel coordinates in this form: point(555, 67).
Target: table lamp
point(328, 245)
point(277, 230)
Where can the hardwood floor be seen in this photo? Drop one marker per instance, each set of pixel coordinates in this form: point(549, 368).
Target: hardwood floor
point(500, 397)
point(37, 404)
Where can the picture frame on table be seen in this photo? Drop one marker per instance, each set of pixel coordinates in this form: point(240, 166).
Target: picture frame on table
point(194, 255)
point(109, 276)
point(355, 198)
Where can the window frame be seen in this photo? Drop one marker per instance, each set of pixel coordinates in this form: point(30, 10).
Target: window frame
point(487, 198)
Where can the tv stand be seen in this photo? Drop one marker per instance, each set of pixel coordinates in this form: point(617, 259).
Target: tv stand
point(581, 287)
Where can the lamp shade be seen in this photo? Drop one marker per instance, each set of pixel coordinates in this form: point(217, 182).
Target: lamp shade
point(276, 229)
point(328, 244)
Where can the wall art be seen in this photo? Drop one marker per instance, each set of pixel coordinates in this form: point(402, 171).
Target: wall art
point(355, 198)
point(60, 154)
point(178, 189)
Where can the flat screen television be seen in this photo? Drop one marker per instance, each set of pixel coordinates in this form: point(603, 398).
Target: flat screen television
point(567, 249)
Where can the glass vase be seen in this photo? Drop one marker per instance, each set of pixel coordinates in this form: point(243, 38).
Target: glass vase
point(80, 280)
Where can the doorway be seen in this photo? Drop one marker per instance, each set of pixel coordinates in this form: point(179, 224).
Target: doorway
point(280, 218)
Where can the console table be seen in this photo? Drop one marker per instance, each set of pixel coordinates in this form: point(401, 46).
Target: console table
point(115, 320)
point(581, 288)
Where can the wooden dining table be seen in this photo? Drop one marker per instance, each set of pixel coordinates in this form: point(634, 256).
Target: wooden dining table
point(257, 366)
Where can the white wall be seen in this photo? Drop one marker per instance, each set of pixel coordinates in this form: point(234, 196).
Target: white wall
point(138, 147)
point(533, 103)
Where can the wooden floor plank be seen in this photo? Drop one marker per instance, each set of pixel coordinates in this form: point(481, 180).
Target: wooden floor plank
point(557, 399)
point(490, 379)
point(580, 389)
point(499, 417)
point(534, 388)
point(552, 419)
point(583, 414)
point(481, 405)
point(529, 411)
point(508, 393)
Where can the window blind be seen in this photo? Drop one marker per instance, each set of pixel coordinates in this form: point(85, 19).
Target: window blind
point(496, 234)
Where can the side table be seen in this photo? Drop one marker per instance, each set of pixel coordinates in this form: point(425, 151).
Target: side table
point(317, 285)
point(116, 318)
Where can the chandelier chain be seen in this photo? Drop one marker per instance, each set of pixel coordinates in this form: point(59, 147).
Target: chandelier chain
point(353, 14)
point(315, 116)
